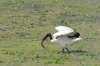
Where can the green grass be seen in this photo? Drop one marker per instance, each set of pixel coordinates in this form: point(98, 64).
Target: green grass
point(23, 23)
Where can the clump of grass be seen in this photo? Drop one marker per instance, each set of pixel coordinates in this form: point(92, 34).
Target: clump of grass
point(17, 52)
point(53, 60)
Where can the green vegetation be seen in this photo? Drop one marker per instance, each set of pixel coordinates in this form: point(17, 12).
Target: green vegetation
point(23, 23)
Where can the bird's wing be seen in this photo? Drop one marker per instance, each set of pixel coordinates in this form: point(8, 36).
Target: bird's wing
point(62, 30)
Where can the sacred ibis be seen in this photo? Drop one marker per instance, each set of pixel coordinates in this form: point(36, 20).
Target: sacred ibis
point(64, 36)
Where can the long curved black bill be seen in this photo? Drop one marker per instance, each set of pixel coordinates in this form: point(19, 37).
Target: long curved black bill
point(46, 36)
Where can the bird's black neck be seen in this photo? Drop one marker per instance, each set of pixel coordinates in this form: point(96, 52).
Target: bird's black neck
point(49, 35)
point(46, 36)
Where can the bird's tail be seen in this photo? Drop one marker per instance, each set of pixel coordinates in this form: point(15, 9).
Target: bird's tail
point(77, 39)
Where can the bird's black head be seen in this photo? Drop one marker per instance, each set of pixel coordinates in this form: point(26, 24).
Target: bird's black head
point(46, 36)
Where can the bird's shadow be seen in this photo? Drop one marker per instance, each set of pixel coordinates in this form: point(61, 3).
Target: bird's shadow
point(76, 51)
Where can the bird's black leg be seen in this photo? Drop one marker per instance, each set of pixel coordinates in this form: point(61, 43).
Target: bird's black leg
point(67, 50)
point(62, 49)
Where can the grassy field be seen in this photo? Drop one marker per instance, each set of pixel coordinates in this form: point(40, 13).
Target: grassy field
point(23, 23)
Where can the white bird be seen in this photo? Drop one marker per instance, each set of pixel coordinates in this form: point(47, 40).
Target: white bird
point(65, 36)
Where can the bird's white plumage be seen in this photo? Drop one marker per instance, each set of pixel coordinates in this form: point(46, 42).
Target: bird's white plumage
point(62, 35)
point(64, 30)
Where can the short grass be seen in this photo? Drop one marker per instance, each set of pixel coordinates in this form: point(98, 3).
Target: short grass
point(23, 23)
